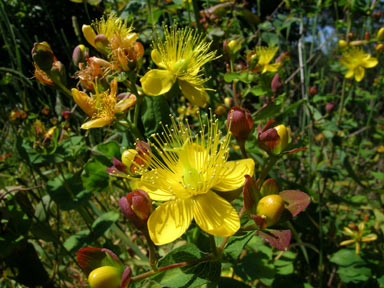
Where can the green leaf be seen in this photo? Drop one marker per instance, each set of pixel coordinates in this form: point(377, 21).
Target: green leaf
point(155, 110)
point(236, 245)
point(347, 257)
point(105, 152)
point(76, 241)
point(94, 176)
point(267, 112)
point(67, 191)
point(188, 276)
point(272, 39)
point(103, 223)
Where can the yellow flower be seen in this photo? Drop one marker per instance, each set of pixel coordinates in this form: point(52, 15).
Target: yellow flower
point(265, 55)
point(355, 60)
point(102, 107)
point(181, 56)
point(101, 33)
point(357, 237)
point(185, 176)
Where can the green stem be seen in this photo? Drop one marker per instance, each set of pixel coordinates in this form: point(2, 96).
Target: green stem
point(169, 267)
point(341, 108)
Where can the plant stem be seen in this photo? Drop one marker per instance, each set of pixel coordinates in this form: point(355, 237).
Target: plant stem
point(172, 266)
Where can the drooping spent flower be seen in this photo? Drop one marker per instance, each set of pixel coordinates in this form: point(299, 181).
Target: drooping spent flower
point(181, 55)
point(102, 107)
point(185, 175)
point(356, 61)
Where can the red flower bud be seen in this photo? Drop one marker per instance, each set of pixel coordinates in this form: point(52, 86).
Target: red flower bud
point(240, 123)
point(66, 114)
point(276, 83)
point(330, 107)
point(312, 90)
point(137, 207)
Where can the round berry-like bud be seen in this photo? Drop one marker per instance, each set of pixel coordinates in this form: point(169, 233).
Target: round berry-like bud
point(105, 276)
point(330, 107)
point(270, 208)
point(343, 44)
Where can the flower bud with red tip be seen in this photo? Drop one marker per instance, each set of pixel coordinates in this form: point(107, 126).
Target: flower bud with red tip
point(276, 83)
point(330, 107)
point(240, 123)
point(80, 54)
point(273, 140)
point(136, 207)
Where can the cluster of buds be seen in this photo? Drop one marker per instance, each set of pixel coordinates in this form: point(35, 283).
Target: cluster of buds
point(104, 268)
point(133, 161)
point(48, 70)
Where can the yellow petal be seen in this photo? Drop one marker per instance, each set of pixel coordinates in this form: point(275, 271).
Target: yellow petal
point(369, 238)
point(169, 221)
point(89, 34)
point(359, 73)
point(84, 102)
point(232, 175)
point(96, 123)
point(271, 67)
point(155, 191)
point(157, 59)
point(157, 82)
point(370, 62)
point(124, 104)
point(347, 242)
point(349, 74)
point(195, 95)
point(215, 215)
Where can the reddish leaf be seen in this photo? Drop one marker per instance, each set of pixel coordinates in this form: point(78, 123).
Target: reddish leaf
point(297, 200)
point(278, 239)
point(126, 278)
point(250, 195)
point(259, 220)
point(91, 258)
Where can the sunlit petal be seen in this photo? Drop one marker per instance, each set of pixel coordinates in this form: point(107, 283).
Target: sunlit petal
point(215, 215)
point(169, 221)
point(232, 175)
point(84, 102)
point(195, 95)
point(157, 82)
point(359, 73)
point(96, 123)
